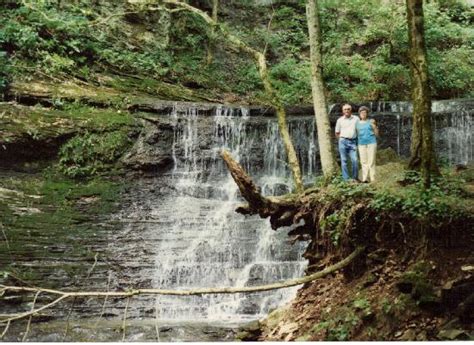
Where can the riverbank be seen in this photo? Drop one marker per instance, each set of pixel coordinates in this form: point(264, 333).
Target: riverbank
point(413, 282)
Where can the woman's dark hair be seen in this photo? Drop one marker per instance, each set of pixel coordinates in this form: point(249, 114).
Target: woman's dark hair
point(364, 108)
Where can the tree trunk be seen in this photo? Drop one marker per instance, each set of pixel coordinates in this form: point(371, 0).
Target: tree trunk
point(210, 43)
point(326, 147)
point(422, 153)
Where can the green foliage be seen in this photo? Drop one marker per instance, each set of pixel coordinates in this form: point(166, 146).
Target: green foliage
point(292, 80)
point(248, 78)
point(386, 306)
point(289, 31)
point(421, 203)
point(364, 58)
point(451, 72)
point(58, 190)
point(344, 195)
point(334, 225)
point(361, 304)
point(339, 326)
point(347, 190)
point(5, 71)
point(396, 306)
point(422, 289)
point(89, 154)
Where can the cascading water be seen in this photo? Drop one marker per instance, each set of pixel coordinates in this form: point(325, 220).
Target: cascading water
point(178, 229)
point(205, 243)
point(182, 231)
point(199, 240)
point(454, 137)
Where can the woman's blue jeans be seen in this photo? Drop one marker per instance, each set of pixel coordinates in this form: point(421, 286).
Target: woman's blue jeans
point(348, 150)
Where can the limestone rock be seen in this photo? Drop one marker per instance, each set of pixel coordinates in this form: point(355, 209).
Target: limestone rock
point(152, 151)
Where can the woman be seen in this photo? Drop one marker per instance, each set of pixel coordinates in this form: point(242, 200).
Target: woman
point(367, 132)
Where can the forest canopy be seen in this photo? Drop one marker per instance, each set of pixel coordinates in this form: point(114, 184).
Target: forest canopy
point(365, 45)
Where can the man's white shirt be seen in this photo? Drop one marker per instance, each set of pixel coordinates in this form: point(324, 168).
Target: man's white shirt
point(346, 127)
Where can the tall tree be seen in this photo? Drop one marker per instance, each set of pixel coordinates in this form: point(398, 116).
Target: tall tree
point(326, 147)
point(270, 91)
point(422, 153)
point(211, 42)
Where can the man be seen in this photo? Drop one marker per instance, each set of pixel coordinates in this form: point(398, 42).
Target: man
point(347, 135)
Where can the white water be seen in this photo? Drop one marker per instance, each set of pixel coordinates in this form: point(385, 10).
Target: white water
point(454, 138)
point(205, 242)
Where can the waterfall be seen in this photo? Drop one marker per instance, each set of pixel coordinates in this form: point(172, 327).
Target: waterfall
point(452, 128)
point(203, 242)
point(454, 139)
point(196, 240)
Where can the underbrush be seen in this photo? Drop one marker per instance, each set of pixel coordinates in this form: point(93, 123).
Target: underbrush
point(348, 212)
point(364, 60)
point(397, 296)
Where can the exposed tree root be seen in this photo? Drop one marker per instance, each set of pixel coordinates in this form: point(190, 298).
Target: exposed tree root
point(281, 210)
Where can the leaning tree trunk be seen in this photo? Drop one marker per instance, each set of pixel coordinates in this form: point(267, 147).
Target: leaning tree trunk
point(422, 153)
point(262, 68)
point(211, 41)
point(326, 147)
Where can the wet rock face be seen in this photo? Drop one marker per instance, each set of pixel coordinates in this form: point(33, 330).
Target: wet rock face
point(152, 149)
point(199, 124)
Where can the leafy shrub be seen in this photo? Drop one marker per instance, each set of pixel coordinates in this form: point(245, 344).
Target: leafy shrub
point(248, 78)
point(421, 203)
point(339, 326)
point(5, 70)
point(292, 80)
point(89, 154)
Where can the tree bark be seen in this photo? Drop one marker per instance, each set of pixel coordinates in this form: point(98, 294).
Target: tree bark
point(326, 147)
point(281, 210)
point(422, 152)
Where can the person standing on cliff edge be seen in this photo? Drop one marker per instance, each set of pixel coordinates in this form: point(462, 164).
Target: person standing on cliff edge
point(347, 134)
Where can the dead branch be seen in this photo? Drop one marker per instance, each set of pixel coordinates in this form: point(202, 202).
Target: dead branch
point(5, 330)
point(247, 187)
point(25, 336)
point(124, 324)
point(93, 266)
point(200, 291)
point(283, 211)
point(19, 316)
